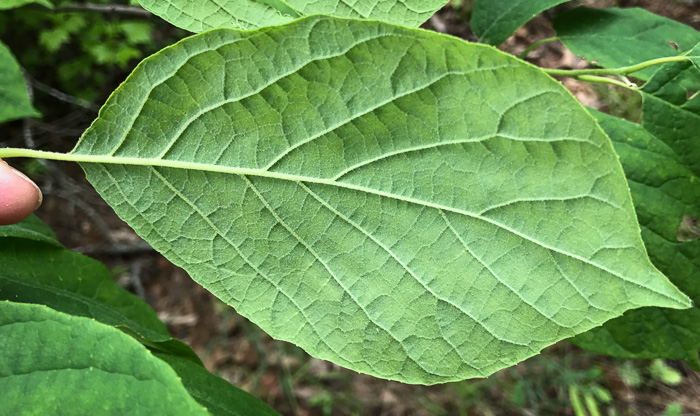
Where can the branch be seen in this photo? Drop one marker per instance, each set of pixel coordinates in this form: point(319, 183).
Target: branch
point(535, 45)
point(104, 8)
point(606, 80)
point(64, 97)
point(625, 70)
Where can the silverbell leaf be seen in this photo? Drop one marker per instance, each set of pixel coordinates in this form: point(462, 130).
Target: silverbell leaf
point(399, 202)
point(201, 15)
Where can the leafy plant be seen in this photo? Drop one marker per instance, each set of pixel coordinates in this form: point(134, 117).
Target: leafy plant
point(400, 202)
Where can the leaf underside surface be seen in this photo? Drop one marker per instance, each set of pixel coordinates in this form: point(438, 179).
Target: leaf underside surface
point(14, 98)
point(200, 15)
point(664, 190)
point(493, 21)
point(89, 367)
point(622, 37)
point(396, 201)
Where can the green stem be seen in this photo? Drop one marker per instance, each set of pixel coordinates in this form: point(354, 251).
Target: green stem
point(605, 80)
point(40, 154)
point(535, 45)
point(625, 70)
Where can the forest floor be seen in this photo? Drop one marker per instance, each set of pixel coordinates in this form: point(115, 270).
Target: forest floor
point(285, 376)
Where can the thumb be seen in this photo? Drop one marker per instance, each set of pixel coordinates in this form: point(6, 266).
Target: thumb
point(19, 196)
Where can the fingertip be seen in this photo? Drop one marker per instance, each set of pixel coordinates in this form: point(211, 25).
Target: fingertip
point(19, 196)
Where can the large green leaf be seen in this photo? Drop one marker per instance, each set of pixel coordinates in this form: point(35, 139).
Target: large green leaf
point(493, 21)
point(11, 4)
point(220, 397)
point(622, 37)
point(56, 364)
point(397, 201)
point(39, 270)
point(14, 99)
point(201, 15)
point(664, 190)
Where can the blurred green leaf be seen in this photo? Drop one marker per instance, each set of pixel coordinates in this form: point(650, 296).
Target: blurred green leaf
point(629, 374)
point(11, 4)
point(673, 409)
point(667, 375)
point(14, 98)
point(137, 32)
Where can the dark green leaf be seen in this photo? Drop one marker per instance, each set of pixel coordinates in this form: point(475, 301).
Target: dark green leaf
point(37, 272)
point(220, 397)
point(31, 229)
point(671, 110)
point(622, 37)
point(56, 364)
point(664, 190)
point(493, 21)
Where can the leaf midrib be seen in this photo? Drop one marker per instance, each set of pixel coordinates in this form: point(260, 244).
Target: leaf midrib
point(176, 164)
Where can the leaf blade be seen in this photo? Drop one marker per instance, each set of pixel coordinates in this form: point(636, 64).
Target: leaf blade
point(348, 271)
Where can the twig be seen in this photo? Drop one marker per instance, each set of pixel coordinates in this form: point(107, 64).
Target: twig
point(606, 80)
point(64, 131)
point(90, 212)
point(117, 249)
point(104, 8)
point(135, 278)
point(63, 96)
point(535, 45)
point(26, 122)
point(438, 23)
point(625, 70)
